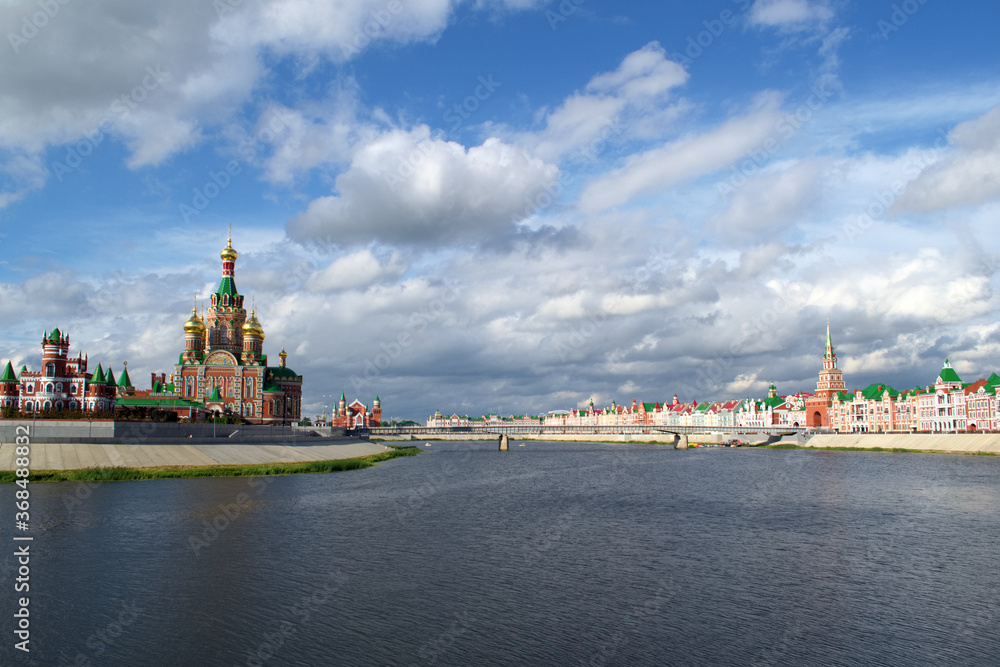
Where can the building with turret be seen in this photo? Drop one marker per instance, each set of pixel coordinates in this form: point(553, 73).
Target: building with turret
point(63, 383)
point(223, 366)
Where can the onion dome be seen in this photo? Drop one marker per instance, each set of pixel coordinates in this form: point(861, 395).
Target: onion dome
point(252, 326)
point(228, 253)
point(194, 323)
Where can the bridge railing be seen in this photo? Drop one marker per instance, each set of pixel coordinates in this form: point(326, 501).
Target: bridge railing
point(618, 429)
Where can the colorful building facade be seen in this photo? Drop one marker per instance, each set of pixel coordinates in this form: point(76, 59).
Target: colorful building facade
point(62, 385)
point(223, 366)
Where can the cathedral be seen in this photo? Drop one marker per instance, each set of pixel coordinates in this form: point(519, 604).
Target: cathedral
point(223, 366)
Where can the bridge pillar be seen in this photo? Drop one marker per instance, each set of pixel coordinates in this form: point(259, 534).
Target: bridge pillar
point(680, 442)
point(504, 443)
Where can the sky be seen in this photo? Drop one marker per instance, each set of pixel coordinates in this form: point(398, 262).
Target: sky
point(483, 206)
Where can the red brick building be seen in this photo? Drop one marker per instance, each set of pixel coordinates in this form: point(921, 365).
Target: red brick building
point(63, 384)
point(831, 382)
point(223, 366)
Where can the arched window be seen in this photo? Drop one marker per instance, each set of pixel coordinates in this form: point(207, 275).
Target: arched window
point(72, 405)
point(48, 388)
point(59, 387)
point(48, 404)
point(50, 370)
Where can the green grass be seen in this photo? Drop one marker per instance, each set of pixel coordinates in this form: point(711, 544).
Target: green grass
point(121, 473)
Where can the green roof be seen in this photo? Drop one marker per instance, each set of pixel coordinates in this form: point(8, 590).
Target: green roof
point(282, 372)
point(875, 391)
point(98, 375)
point(227, 286)
point(948, 373)
point(109, 378)
point(124, 381)
point(215, 395)
point(55, 336)
point(8, 374)
point(773, 401)
point(993, 379)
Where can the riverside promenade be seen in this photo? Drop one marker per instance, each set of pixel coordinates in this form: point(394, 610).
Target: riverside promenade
point(71, 456)
point(956, 443)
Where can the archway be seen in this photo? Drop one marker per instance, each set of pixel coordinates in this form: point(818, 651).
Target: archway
point(817, 419)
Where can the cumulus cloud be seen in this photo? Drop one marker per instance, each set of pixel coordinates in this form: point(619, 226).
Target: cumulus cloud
point(407, 187)
point(971, 175)
point(156, 76)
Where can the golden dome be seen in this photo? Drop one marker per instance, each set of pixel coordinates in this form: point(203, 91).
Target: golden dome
point(228, 254)
point(252, 326)
point(194, 323)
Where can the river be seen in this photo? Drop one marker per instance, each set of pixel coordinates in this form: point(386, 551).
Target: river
point(549, 554)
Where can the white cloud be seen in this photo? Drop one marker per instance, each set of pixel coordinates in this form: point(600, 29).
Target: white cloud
point(685, 159)
point(408, 187)
point(584, 121)
point(356, 270)
point(789, 14)
point(970, 176)
point(767, 203)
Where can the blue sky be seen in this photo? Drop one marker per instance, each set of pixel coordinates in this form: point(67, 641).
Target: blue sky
point(630, 199)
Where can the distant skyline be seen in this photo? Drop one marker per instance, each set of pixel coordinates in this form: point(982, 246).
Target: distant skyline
point(493, 206)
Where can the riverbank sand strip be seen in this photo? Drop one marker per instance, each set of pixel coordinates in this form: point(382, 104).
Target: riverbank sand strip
point(959, 443)
point(62, 456)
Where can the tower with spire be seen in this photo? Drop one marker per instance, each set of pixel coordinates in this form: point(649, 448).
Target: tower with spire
point(830, 384)
point(223, 367)
point(831, 378)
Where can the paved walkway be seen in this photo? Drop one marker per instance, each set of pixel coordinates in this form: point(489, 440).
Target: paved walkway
point(67, 456)
point(938, 442)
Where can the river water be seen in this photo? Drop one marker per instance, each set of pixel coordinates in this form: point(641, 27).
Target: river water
point(549, 554)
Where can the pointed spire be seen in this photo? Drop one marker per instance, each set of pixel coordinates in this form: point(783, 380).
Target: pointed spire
point(98, 375)
point(8, 374)
point(124, 381)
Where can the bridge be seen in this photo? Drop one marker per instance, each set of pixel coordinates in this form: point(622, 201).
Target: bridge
point(680, 433)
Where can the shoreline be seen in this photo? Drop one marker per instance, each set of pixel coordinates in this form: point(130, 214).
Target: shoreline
point(75, 456)
point(125, 473)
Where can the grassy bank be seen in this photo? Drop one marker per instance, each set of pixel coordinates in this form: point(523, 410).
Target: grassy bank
point(892, 450)
point(121, 473)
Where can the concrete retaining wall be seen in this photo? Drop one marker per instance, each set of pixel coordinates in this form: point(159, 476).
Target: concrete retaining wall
point(934, 442)
point(151, 433)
